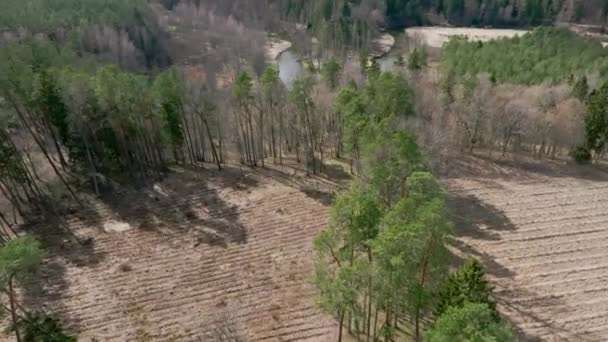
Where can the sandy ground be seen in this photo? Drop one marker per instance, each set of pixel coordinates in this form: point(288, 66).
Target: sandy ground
point(274, 47)
point(436, 36)
point(383, 45)
point(542, 232)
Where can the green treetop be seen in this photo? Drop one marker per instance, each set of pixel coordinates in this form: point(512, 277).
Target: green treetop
point(472, 322)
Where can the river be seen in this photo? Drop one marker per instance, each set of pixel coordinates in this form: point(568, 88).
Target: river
point(291, 68)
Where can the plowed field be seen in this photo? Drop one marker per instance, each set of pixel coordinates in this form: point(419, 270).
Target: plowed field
point(543, 235)
point(226, 256)
point(201, 257)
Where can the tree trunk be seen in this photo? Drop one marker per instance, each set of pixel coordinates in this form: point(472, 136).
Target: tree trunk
point(365, 296)
point(91, 164)
point(215, 156)
point(375, 324)
point(272, 135)
point(57, 147)
point(262, 147)
point(251, 135)
point(13, 309)
point(189, 143)
point(340, 326)
point(387, 324)
point(369, 303)
point(42, 148)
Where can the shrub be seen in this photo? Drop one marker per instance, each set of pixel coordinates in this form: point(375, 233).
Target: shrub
point(581, 154)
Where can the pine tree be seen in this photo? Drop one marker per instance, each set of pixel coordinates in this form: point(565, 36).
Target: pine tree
point(411, 252)
point(596, 120)
point(471, 322)
point(581, 88)
point(18, 258)
point(467, 285)
point(330, 72)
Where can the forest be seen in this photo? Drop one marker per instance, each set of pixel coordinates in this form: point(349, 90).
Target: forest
point(544, 55)
point(101, 96)
point(498, 13)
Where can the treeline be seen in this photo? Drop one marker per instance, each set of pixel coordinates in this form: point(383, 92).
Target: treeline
point(544, 121)
point(465, 12)
point(381, 265)
point(93, 123)
point(338, 25)
point(125, 33)
point(544, 55)
point(561, 110)
point(596, 124)
point(402, 13)
point(49, 16)
point(97, 120)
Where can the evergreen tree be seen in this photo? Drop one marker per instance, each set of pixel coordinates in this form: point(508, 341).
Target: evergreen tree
point(417, 59)
point(596, 120)
point(18, 259)
point(471, 322)
point(467, 285)
point(373, 69)
point(330, 72)
point(411, 251)
point(343, 254)
point(581, 88)
point(167, 86)
point(546, 54)
point(39, 327)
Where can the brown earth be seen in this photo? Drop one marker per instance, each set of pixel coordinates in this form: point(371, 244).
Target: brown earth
point(207, 254)
point(195, 257)
point(541, 228)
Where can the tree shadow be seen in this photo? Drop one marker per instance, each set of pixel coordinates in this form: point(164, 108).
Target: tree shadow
point(186, 202)
point(551, 167)
point(322, 197)
point(553, 329)
point(316, 187)
point(510, 308)
point(476, 219)
point(520, 167)
point(62, 250)
point(492, 267)
point(336, 172)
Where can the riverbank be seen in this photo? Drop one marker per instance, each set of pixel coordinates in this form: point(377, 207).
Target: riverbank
point(275, 47)
point(382, 45)
point(436, 36)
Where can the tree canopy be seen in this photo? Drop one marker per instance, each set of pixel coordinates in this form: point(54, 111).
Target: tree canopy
point(596, 120)
point(45, 16)
point(466, 285)
point(471, 323)
point(545, 54)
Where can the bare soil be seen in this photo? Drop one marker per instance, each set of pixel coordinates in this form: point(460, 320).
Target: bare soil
point(436, 36)
point(207, 254)
point(197, 256)
point(541, 228)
